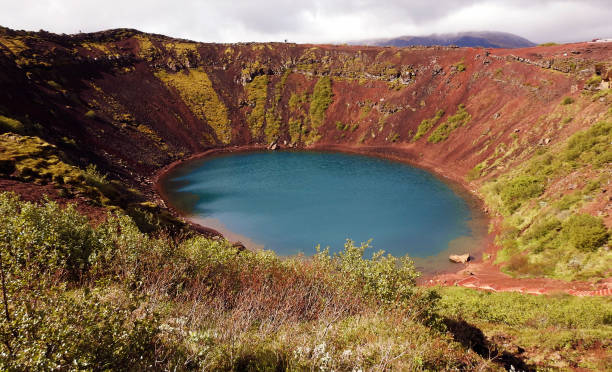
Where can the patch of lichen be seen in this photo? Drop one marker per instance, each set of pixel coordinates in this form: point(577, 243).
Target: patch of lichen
point(196, 90)
point(459, 119)
point(257, 95)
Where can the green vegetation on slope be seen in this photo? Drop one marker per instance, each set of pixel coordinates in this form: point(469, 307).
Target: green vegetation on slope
point(427, 124)
point(81, 297)
point(555, 331)
point(10, 125)
point(322, 97)
point(196, 90)
point(546, 233)
point(31, 159)
point(257, 95)
point(459, 119)
point(298, 119)
point(273, 115)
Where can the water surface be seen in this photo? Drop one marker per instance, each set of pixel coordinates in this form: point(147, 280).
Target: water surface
point(291, 201)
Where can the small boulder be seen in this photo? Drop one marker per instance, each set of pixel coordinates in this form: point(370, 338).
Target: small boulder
point(239, 246)
point(459, 258)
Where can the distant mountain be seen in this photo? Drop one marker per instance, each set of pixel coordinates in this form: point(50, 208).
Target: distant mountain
point(484, 39)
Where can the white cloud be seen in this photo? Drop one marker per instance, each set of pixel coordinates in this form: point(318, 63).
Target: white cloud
point(315, 20)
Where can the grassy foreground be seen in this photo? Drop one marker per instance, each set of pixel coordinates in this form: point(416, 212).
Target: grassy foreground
point(108, 297)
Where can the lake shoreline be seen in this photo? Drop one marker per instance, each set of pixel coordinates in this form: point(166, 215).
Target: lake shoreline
point(480, 242)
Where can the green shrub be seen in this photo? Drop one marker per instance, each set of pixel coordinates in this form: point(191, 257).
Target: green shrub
point(91, 114)
point(44, 240)
point(460, 66)
point(77, 332)
point(393, 137)
point(585, 232)
point(427, 124)
point(567, 101)
point(550, 43)
point(342, 127)
point(390, 280)
point(591, 146)
point(519, 189)
point(593, 81)
point(548, 228)
point(459, 119)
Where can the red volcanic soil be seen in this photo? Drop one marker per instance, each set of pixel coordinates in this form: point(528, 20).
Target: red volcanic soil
point(98, 99)
point(35, 193)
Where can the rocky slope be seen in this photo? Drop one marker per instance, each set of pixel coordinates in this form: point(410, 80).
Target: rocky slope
point(132, 103)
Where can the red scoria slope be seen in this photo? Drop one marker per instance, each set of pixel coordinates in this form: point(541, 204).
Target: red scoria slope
point(133, 103)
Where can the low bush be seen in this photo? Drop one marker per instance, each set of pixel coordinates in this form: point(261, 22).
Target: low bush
point(593, 81)
point(111, 297)
point(567, 101)
point(585, 232)
point(519, 189)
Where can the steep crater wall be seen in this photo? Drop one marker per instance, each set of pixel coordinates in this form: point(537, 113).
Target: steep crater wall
point(133, 103)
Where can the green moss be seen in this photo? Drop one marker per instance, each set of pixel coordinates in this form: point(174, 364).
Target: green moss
point(341, 126)
point(91, 114)
point(459, 119)
point(427, 124)
point(10, 125)
point(273, 124)
point(322, 97)
point(257, 94)
point(550, 43)
point(14, 44)
point(393, 137)
point(295, 130)
point(147, 50)
point(196, 90)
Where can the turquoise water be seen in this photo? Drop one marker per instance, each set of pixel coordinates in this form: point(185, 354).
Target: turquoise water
point(291, 201)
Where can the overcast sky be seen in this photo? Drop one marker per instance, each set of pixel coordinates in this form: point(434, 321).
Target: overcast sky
point(315, 20)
